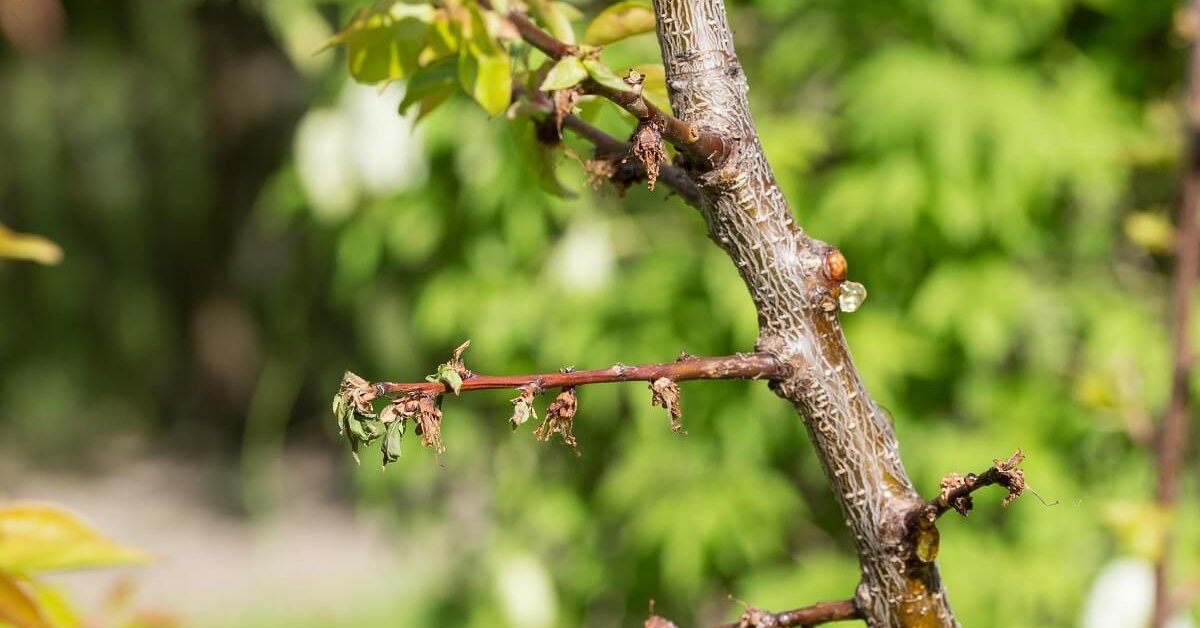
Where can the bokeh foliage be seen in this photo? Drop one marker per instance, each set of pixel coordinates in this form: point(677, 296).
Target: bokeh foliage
point(241, 225)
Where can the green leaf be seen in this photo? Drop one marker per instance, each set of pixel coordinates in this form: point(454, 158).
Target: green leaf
point(392, 441)
point(484, 69)
point(540, 159)
point(442, 40)
point(383, 43)
point(568, 72)
point(18, 606)
point(605, 76)
point(431, 84)
point(33, 248)
point(450, 376)
point(619, 21)
point(555, 18)
point(40, 537)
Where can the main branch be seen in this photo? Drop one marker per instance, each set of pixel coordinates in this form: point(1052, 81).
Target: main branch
point(795, 282)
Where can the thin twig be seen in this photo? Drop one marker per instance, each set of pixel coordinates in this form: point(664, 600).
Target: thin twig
point(708, 150)
point(673, 176)
point(1172, 437)
point(956, 489)
point(739, 366)
point(819, 613)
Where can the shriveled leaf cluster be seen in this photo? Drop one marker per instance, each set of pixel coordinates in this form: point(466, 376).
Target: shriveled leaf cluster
point(559, 420)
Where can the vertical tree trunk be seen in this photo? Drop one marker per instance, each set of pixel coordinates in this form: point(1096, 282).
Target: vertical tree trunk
point(794, 281)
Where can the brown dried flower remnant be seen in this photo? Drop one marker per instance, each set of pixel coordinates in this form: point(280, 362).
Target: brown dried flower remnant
point(429, 422)
point(1010, 477)
point(358, 394)
point(666, 394)
point(559, 417)
point(648, 148)
point(564, 104)
point(962, 503)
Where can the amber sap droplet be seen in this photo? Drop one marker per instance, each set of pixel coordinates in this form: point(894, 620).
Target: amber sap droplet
point(835, 265)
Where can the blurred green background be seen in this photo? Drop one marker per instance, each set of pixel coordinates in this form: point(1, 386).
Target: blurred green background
point(241, 224)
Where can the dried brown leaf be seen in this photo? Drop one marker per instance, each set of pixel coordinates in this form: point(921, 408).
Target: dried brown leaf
point(559, 418)
point(649, 150)
point(429, 423)
point(666, 394)
point(1010, 477)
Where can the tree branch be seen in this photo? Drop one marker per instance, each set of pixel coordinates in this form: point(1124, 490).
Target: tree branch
point(819, 613)
point(1172, 437)
point(706, 148)
point(796, 281)
point(956, 489)
point(739, 366)
point(610, 147)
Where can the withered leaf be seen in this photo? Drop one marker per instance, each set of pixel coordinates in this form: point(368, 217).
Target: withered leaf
point(429, 423)
point(649, 150)
point(559, 417)
point(666, 394)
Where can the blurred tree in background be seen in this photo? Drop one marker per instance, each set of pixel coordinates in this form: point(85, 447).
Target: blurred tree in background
point(240, 224)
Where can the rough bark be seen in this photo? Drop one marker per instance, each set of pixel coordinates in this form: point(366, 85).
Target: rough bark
point(794, 281)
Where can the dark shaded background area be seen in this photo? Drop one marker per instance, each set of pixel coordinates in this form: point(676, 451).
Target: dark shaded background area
point(241, 225)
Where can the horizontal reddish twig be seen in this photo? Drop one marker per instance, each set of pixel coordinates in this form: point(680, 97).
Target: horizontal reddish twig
point(738, 366)
point(703, 147)
point(819, 613)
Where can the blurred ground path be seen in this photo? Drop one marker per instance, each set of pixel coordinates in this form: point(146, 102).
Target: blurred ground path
point(313, 556)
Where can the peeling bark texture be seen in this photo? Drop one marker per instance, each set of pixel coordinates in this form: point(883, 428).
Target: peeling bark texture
point(795, 292)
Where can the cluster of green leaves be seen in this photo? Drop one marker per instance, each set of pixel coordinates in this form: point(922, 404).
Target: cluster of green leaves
point(39, 538)
point(455, 45)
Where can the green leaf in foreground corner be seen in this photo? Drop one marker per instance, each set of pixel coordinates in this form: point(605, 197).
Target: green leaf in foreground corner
point(40, 537)
point(568, 72)
point(24, 246)
point(605, 76)
point(621, 20)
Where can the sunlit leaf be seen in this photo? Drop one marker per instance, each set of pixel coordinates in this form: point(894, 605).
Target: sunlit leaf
point(384, 43)
point(605, 76)
point(567, 72)
point(1150, 230)
point(55, 605)
point(484, 69)
point(555, 18)
point(619, 21)
point(38, 537)
point(442, 40)
point(18, 606)
point(24, 246)
point(654, 84)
